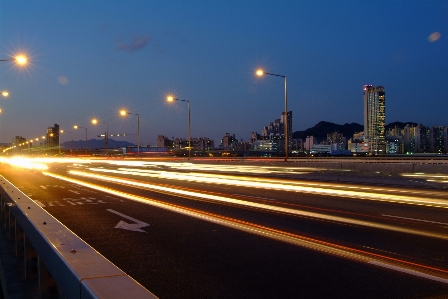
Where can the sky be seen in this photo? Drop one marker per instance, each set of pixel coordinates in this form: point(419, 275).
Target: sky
point(90, 59)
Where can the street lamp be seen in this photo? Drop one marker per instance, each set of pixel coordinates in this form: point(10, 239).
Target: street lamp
point(71, 141)
point(59, 137)
point(124, 113)
point(77, 127)
point(261, 73)
point(172, 99)
point(106, 138)
point(44, 143)
point(20, 59)
point(5, 94)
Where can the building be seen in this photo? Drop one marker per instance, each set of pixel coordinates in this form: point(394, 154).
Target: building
point(18, 140)
point(254, 136)
point(163, 141)
point(328, 150)
point(309, 142)
point(358, 147)
point(375, 118)
point(229, 142)
point(297, 146)
point(440, 139)
point(52, 138)
point(337, 138)
point(275, 132)
point(417, 139)
point(411, 139)
point(203, 144)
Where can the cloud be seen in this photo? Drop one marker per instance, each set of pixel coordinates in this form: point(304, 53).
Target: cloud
point(136, 43)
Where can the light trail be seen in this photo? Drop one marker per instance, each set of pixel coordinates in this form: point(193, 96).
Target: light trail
point(420, 270)
point(222, 167)
point(436, 178)
point(24, 163)
point(290, 186)
point(272, 208)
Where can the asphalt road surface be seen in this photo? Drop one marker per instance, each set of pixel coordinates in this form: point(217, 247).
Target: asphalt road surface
point(195, 231)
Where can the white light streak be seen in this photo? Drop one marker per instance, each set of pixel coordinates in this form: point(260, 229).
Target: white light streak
point(289, 186)
point(439, 275)
point(263, 206)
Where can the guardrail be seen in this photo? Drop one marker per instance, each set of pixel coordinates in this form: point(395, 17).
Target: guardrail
point(64, 265)
point(359, 160)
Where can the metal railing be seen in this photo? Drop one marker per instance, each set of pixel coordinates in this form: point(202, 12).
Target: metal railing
point(64, 265)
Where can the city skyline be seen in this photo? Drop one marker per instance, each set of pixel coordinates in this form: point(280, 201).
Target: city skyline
point(94, 58)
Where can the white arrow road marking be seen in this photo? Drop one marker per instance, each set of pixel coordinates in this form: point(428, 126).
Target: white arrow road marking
point(129, 226)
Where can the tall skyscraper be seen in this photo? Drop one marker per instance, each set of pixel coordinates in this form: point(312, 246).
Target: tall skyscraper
point(375, 118)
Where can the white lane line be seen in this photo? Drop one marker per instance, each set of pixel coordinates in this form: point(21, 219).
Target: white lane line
point(408, 271)
point(74, 192)
point(414, 219)
point(43, 187)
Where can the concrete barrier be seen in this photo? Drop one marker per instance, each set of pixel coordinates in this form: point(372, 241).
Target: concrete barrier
point(64, 265)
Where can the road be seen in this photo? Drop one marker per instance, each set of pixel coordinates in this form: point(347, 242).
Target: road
point(198, 231)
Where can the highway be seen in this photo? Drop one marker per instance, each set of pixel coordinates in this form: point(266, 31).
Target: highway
point(187, 230)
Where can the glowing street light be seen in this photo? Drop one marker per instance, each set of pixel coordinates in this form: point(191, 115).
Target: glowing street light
point(77, 127)
point(20, 60)
point(172, 99)
point(124, 113)
point(106, 138)
point(261, 73)
point(5, 94)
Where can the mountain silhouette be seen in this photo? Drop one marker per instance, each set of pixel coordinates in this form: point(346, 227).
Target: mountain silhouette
point(323, 128)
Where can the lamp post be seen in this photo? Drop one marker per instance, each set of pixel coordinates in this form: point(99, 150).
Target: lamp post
point(77, 127)
point(172, 99)
point(71, 141)
point(261, 73)
point(4, 94)
point(124, 113)
point(52, 141)
point(106, 138)
point(44, 143)
point(59, 139)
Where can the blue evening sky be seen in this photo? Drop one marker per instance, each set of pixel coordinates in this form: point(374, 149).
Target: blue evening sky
point(91, 58)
